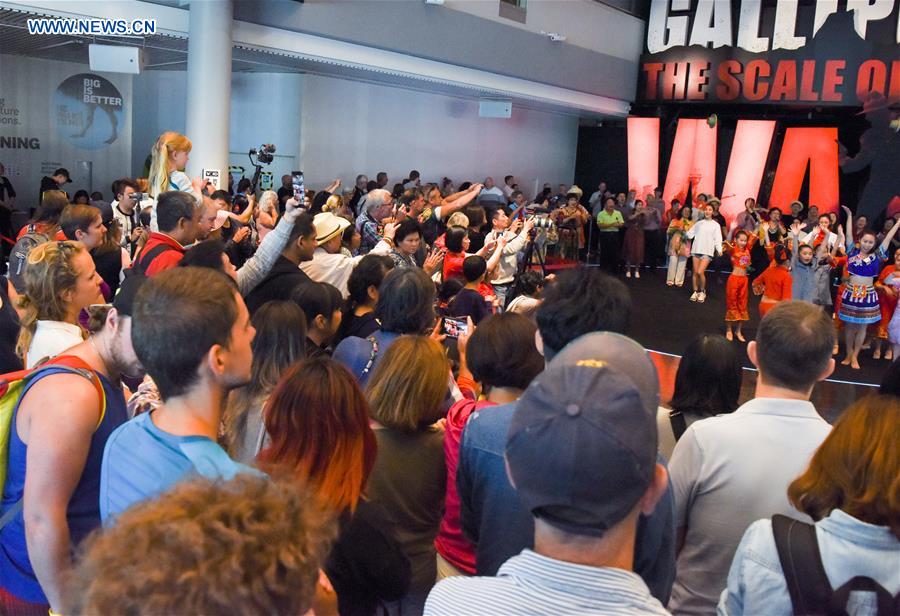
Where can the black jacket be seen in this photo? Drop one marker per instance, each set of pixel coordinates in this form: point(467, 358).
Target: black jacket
point(284, 277)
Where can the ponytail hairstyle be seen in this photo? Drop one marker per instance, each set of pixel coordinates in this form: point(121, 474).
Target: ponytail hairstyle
point(167, 144)
point(48, 274)
point(782, 254)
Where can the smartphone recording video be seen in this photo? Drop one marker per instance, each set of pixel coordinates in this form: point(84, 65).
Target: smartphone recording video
point(454, 328)
point(299, 188)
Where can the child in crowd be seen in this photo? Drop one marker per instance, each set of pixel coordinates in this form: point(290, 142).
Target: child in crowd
point(470, 302)
point(532, 285)
point(736, 288)
point(811, 268)
point(775, 283)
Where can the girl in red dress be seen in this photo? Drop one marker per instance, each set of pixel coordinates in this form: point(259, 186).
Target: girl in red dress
point(775, 283)
point(737, 286)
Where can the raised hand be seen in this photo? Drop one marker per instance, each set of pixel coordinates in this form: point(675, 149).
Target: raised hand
point(436, 332)
point(433, 261)
point(240, 235)
point(463, 340)
point(390, 229)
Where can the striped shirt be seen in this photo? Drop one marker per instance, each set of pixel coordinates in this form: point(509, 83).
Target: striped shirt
point(533, 584)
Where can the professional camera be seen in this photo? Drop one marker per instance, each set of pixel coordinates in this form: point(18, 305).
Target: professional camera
point(137, 197)
point(264, 153)
point(542, 222)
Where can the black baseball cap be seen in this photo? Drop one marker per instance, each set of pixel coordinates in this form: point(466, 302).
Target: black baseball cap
point(123, 302)
point(65, 172)
point(581, 448)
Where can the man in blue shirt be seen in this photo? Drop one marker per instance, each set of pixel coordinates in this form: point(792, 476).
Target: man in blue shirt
point(192, 332)
point(578, 302)
point(581, 454)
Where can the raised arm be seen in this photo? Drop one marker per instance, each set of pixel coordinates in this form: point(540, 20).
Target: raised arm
point(458, 201)
point(495, 258)
point(245, 216)
point(886, 242)
point(258, 266)
point(849, 232)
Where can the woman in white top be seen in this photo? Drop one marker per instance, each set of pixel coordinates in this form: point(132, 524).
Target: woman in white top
point(707, 243)
point(850, 490)
point(60, 282)
point(169, 155)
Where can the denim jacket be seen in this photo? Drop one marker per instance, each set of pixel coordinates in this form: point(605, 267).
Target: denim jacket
point(495, 520)
point(849, 548)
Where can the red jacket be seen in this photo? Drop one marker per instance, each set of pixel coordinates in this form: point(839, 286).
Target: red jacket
point(450, 542)
point(166, 259)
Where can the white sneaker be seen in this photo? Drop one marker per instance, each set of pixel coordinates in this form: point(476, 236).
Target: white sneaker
point(694, 296)
point(637, 273)
point(627, 273)
point(701, 297)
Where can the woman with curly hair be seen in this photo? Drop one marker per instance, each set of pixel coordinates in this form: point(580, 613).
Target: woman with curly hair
point(60, 282)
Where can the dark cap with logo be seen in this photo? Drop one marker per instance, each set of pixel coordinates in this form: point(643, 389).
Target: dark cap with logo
point(581, 447)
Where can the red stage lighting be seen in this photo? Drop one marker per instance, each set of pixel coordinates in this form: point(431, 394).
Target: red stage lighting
point(819, 148)
point(747, 165)
point(693, 161)
point(643, 155)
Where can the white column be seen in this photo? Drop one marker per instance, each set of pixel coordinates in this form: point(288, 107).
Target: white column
point(209, 84)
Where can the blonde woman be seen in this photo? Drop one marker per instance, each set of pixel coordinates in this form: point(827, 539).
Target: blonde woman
point(60, 282)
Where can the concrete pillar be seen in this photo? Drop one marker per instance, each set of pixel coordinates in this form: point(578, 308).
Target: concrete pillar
point(209, 85)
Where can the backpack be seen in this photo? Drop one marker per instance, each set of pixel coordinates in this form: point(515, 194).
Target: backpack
point(13, 385)
point(18, 257)
point(811, 592)
point(144, 259)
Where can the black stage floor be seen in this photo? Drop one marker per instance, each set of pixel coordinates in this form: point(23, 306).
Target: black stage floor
point(665, 320)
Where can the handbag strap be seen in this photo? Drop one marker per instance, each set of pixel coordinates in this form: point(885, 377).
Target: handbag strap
point(679, 424)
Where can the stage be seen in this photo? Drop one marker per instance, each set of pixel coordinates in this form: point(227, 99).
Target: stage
point(664, 320)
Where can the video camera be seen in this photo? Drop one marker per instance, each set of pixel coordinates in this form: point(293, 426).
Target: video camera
point(264, 153)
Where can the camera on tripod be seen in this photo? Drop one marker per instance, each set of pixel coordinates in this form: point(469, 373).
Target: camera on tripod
point(542, 222)
point(264, 153)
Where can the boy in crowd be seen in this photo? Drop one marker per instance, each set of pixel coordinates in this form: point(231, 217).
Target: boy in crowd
point(192, 333)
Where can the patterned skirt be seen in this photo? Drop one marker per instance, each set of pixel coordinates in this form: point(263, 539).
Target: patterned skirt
point(859, 304)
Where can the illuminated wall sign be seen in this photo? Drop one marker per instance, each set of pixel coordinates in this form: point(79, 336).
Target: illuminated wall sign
point(693, 163)
point(739, 51)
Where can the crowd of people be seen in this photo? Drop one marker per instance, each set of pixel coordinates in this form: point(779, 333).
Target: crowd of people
point(360, 402)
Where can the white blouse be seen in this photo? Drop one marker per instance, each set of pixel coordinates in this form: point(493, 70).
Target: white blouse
point(707, 236)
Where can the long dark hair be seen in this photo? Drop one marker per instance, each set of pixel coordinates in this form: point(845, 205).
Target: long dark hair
point(280, 341)
point(370, 271)
point(708, 381)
